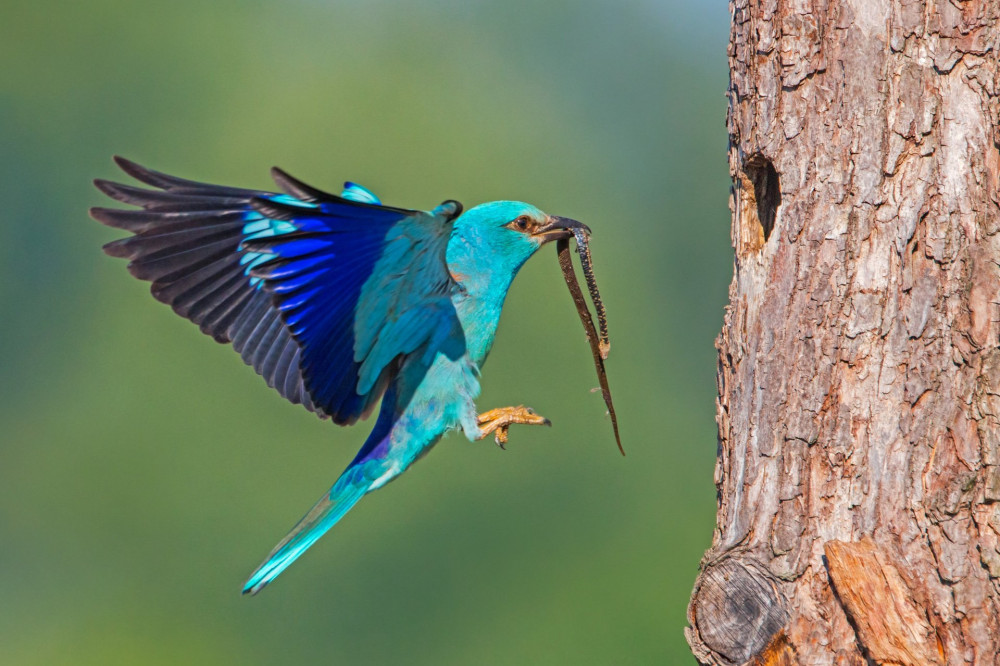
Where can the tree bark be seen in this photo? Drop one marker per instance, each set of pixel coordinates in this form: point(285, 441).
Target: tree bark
point(858, 470)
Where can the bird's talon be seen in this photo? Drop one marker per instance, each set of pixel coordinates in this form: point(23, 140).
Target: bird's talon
point(498, 421)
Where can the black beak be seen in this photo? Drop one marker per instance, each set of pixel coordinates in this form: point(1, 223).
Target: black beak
point(558, 228)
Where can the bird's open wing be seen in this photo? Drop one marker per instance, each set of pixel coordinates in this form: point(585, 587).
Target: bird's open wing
point(324, 296)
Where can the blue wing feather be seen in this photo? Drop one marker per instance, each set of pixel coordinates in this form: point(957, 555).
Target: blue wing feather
point(325, 296)
point(360, 288)
point(356, 192)
point(317, 295)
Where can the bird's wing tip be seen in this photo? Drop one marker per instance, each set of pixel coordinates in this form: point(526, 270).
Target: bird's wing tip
point(125, 164)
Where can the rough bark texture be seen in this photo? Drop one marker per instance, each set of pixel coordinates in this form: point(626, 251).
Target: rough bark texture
point(859, 363)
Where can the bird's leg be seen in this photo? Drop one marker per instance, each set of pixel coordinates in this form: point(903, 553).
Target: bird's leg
point(500, 419)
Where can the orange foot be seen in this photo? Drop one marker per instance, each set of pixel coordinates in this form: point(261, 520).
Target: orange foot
point(499, 420)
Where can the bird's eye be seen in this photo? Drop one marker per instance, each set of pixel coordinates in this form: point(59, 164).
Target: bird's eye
point(521, 222)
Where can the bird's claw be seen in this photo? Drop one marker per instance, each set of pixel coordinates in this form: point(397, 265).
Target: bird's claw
point(498, 421)
point(500, 436)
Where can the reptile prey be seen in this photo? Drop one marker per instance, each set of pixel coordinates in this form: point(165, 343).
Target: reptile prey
point(599, 343)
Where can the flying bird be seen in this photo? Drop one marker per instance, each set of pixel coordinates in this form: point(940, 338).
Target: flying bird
point(339, 302)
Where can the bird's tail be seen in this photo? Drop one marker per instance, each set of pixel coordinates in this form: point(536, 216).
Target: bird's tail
point(371, 468)
point(349, 488)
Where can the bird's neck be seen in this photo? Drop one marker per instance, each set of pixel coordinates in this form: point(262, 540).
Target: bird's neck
point(479, 313)
point(484, 284)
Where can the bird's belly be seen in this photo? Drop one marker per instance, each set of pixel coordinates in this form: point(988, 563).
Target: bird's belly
point(443, 399)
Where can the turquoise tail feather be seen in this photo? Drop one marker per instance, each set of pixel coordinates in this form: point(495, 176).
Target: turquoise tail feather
point(369, 470)
point(324, 515)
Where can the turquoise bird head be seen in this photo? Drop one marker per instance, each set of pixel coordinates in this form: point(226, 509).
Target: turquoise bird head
point(493, 240)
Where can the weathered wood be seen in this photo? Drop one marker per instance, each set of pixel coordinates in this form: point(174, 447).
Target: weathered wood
point(778, 652)
point(891, 627)
point(859, 360)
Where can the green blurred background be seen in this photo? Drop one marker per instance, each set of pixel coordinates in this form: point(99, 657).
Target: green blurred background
point(145, 471)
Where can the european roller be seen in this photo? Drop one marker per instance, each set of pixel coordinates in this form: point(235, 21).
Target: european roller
point(340, 302)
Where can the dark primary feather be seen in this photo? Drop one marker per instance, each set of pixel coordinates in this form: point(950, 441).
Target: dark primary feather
point(296, 188)
point(187, 243)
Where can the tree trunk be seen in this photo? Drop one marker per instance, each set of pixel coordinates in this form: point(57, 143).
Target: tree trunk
point(858, 470)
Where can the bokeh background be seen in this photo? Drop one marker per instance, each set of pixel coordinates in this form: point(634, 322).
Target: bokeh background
point(145, 471)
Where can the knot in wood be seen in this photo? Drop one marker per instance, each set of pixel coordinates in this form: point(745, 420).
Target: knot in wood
point(737, 609)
